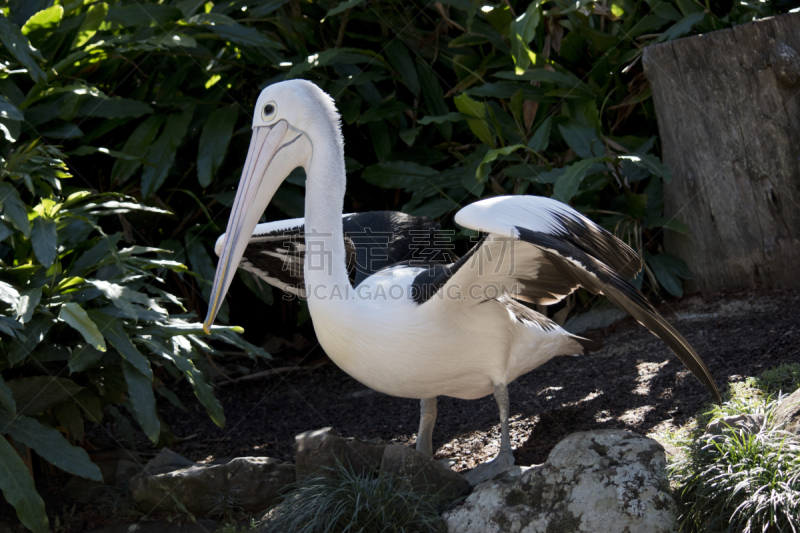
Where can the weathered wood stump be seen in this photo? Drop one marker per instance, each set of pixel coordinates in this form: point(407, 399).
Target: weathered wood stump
point(728, 111)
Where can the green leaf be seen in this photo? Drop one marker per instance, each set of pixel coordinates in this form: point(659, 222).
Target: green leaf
point(244, 35)
point(91, 150)
point(70, 418)
point(35, 395)
point(91, 23)
point(669, 271)
point(541, 137)
point(522, 31)
point(7, 398)
point(19, 490)
point(44, 240)
point(121, 296)
point(161, 153)
point(14, 210)
point(583, 140)
point(28, 300)
point(478, 124)
point(433, 95)
point(9, 294)
point(340, 7)
point(449, 117)
point(203, 391)
point(651, 163)
point(214, 142)
point(568, 183)
point(114, 332)
point(50, 445)
point(83, 357)
point(143, 15)
point(398, 56)
point(35, 331)
point(140, 390)
point(491, 155)
point(74, 315)
point(679, 29)
point(136, 146)
point(436, 208)
point(382, 112)
point(9, 111)
point(257, 286)
point(46, 19)
point(332, 56)
point(668, 223)
point(113, 108)
point(19, 46)
point(397, 174)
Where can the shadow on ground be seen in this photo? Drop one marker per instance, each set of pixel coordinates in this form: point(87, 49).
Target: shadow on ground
point(633, 383)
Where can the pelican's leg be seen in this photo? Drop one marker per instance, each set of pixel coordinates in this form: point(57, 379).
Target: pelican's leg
point(427, 418)
point(504, 459)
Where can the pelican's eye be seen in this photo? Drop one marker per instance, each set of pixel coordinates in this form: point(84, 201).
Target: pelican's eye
point(268, 112)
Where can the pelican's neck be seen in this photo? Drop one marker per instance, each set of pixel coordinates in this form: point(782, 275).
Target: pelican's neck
point(325, 262)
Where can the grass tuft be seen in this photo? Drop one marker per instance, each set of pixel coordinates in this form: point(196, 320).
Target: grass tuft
point(356, 503)
point(740, 481)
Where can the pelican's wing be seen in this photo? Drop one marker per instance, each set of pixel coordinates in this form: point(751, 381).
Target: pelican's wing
point(540, 250)
point(373, 240)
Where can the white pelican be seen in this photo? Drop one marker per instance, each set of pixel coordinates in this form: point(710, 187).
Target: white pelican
point(430, 327)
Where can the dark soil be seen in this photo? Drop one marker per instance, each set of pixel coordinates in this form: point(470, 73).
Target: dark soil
point(633, 383)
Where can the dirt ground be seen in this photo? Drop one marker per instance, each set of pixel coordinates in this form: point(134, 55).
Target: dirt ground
point(633, 383)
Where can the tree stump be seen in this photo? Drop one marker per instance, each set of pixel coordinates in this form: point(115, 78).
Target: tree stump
point(728, 110)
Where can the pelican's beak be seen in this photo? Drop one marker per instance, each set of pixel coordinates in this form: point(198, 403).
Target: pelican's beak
point(256, 189)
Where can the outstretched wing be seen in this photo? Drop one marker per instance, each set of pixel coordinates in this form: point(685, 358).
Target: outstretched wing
point(540, 250)
point(373, 240)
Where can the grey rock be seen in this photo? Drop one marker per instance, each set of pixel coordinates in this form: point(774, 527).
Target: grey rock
point(125, 471)
point(600, 481)
point(594, 320)
point(166, 461)
point(318, 451)
point(788, 413)
point(253, 481)
point(424, 473)
point(750, 423)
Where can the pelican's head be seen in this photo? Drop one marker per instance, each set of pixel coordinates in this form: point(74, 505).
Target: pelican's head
point(289, 115)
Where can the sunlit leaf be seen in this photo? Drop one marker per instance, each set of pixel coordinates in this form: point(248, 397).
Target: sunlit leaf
point(44, 240)
point(16, 43)
point(74, 315)
point(46, 19)
point(28, 300)
point(14, 210)
point(91, 23)
point(478, 124)
point(568, 183)
point(114, 332)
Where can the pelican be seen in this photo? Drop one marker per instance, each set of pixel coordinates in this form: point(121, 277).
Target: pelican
point(410, 321)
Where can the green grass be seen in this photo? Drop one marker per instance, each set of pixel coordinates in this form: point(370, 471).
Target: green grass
point(354, 503)
point(740, 481)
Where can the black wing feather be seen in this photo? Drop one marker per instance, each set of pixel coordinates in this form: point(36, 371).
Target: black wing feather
point(598, 278)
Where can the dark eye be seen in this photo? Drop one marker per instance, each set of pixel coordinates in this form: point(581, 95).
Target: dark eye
point(269, 109)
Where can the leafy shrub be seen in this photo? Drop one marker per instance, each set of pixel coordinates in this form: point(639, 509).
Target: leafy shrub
point(87, 329)
point(442, 104)
point(740, 481)
point(360, 503)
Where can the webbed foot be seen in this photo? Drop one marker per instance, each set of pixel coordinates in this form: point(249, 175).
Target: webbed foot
point(486, 471)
